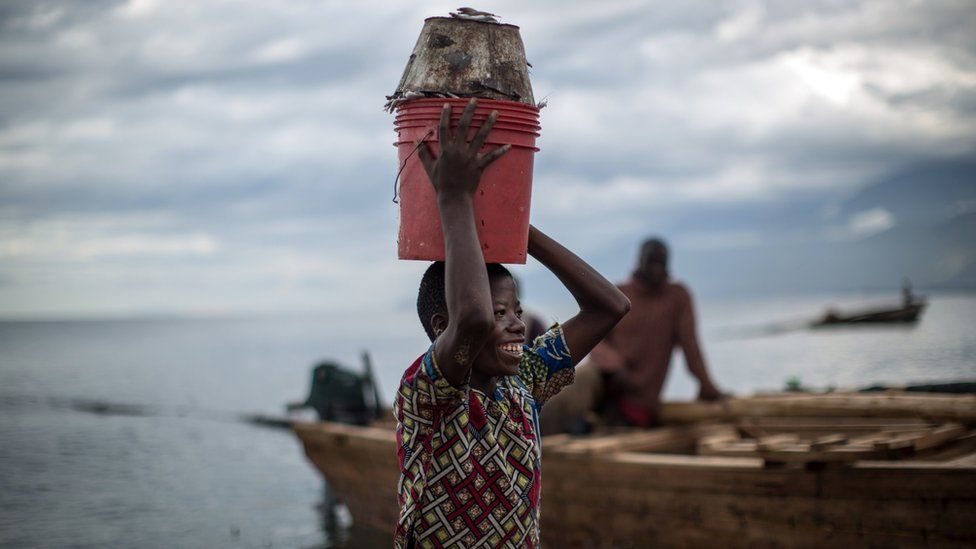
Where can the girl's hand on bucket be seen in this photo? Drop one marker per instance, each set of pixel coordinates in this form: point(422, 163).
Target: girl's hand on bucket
point(457, 170)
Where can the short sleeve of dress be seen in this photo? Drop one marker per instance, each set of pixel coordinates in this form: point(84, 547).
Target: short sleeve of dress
point(547, 366)
point(429, 382)
point(423, 394)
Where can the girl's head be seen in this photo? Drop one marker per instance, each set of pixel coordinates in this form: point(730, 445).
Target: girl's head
point(503, 350)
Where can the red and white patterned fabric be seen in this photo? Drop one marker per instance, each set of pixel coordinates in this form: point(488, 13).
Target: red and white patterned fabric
point(470, 464)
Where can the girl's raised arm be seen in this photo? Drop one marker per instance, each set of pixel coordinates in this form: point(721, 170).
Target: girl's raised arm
point(455, 174)
point(601, 304)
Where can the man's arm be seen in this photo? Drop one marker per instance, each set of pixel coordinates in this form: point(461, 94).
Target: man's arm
point(606, 357)
point(455, 174)
point(688, 339)
point(601, 304)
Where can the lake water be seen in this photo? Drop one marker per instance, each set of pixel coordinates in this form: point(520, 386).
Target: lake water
point(168, 462)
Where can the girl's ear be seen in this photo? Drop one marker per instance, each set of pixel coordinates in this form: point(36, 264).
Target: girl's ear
point(438, 321)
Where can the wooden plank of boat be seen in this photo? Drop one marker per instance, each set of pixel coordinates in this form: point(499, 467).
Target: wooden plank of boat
point(939, 436)
point(796, 453)
point(657, 440)
point(772, 442)
point(717, 438)
point(789, 448)
point(960, 447)
point(803, 453)
point(665, 439)
point(553, 441)
point(634, 498)
point(822, 427)
point(827, 441)
point(817, 423)
point(965, 461)
point(904, 441)
point(960, 408)
point(731, 448)
point(871, 438)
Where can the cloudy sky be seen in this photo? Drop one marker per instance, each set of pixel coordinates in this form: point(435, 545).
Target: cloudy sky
point(224, 156)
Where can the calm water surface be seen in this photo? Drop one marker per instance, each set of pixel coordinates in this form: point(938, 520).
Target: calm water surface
point(168, 462)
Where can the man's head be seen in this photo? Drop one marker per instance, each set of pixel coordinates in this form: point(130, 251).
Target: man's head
point(501, 353)
point(652, 264)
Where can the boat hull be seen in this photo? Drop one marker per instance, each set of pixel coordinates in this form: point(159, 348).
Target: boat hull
point(644, 489)
point(903, 315)
point(634, 500)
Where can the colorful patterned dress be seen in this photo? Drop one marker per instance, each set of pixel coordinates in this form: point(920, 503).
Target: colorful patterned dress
point(470, 465)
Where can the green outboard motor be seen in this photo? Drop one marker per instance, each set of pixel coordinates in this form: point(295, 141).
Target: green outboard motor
point(340, 395)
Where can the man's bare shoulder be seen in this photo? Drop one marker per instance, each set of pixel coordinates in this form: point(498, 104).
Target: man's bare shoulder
point(628, 285)
point(679, 290)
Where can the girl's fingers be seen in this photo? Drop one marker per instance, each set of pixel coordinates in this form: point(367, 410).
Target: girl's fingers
point(490, 157)
point(479, 138)
point(461, 137)
point(444, 131)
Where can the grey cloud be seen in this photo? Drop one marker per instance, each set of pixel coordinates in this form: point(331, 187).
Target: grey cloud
point(313, 71)
point(259, 126)
point(937, 98)
point(23, 16)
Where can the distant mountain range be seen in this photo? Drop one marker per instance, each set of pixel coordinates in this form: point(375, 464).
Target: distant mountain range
point(920, 224)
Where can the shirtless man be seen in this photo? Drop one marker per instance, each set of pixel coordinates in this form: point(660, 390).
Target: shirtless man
point(623, 375)
point(634, 358)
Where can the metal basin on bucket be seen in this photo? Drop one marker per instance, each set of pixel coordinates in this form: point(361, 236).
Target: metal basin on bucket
point(469, 59)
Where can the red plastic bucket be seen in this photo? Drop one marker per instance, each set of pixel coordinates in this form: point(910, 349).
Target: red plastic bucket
point(501, 206)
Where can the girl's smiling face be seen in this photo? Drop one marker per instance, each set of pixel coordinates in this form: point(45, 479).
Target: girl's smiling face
point(503, 351)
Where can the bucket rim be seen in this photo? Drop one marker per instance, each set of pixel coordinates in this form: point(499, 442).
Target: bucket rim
point(477, 123)
point(438, 108)
point(429, 127)
point(477, 115)
point(512, 145)
point(439, 101)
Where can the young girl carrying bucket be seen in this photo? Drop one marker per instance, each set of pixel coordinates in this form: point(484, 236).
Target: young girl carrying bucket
point(467, 431)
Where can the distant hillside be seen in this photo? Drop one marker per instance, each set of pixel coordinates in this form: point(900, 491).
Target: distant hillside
point(920, 223)
point(925, 194)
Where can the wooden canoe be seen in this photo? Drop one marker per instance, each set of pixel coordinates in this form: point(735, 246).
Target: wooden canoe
point(777, 471)
point(905, 314)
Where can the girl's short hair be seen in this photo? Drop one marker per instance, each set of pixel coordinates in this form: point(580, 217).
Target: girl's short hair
point(431, 298)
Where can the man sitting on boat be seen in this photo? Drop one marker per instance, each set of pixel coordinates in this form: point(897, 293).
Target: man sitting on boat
point(634, 358)
point(625, 375)
point(467, 410)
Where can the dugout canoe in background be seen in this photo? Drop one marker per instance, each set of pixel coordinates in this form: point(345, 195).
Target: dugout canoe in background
point(934, 406)
point(850, 477)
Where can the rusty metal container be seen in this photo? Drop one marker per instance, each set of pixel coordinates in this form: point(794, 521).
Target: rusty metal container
point(467, 59)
